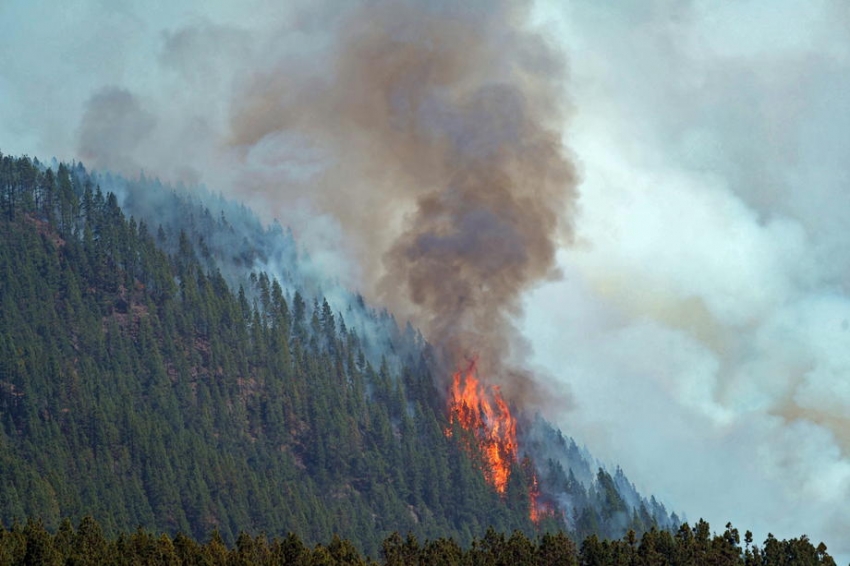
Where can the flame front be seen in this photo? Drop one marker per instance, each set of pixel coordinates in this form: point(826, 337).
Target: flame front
point(483, 412)
point(539, 509)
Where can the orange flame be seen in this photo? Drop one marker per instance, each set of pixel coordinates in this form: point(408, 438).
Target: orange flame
point(483, 412)
point(539, 509)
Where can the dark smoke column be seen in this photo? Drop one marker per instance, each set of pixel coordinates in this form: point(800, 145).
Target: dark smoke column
point(444, 117)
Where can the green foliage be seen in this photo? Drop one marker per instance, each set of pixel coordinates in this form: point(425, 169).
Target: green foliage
point(33, 544)
point(137, 387)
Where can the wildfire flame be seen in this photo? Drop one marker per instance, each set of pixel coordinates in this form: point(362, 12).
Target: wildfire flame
point(483, 412)
point(539, 509)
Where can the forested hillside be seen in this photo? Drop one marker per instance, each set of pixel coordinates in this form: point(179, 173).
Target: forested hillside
point(31, 543)
point(151, 374)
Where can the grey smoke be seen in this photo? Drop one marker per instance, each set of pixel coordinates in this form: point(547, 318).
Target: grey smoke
point(700, 317)
point(444, 169)
point(113, 125)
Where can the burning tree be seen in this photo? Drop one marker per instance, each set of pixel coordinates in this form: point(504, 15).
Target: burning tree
point(481, 410)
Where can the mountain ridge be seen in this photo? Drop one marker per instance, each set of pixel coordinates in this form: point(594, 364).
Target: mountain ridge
point(158, 375)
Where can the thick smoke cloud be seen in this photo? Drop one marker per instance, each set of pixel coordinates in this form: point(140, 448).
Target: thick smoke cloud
point(702, 317)
point(112, 127)
point(445, 114)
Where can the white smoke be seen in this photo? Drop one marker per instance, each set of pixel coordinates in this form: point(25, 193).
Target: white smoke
point(704, 320)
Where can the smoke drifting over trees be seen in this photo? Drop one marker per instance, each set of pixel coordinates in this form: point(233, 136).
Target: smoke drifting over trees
point(445, 114)
point(429, 134)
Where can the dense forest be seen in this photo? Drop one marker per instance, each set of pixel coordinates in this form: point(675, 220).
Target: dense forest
point(31, 543)
point(169, 363)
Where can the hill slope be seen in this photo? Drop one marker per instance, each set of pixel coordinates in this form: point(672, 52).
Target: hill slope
point(153, 374)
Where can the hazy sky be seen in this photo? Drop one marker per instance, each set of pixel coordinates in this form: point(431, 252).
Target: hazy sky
point(702, 323)
point(704, 318)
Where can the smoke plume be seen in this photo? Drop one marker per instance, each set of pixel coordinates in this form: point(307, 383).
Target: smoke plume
point(444, 113)
point(113, 126)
